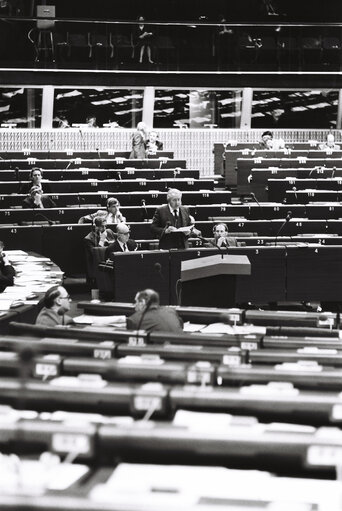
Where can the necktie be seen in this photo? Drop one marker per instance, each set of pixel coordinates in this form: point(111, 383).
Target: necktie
point(175, 213)
point(125, 249)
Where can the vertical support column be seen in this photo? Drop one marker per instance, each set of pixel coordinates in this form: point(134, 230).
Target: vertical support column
point(339, 111)
point(148, 106)
point(47, 107)
point(246, 108)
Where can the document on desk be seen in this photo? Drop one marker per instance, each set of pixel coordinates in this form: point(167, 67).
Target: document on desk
point(190, 487)
point(223, 328)
point(88, 319)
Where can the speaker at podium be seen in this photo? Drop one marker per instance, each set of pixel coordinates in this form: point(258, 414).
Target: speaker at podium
point(211, 281)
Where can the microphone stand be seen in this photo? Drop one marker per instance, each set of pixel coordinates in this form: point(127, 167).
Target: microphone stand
point(287, 219)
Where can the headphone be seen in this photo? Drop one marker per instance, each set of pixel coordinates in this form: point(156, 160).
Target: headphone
point(50, 296)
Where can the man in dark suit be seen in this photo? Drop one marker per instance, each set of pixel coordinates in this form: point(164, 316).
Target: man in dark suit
point(151, 317)
point(122, 242)
point(172, 223)
point(99, 236)
point(221, 237)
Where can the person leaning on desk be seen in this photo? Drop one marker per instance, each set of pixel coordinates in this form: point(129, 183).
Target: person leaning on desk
point(221, 237)
point(56, 304)
point(172, 222)
point(150, 316)
point(111, 214)
point(37, 200)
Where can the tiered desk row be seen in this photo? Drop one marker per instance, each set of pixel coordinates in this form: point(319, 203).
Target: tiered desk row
point(232, 395)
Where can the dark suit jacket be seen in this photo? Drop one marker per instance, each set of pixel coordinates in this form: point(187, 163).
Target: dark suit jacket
point(91, 241)
point(47, 203)
point(162, 219)
point(26, 187)
point(6, 275)
point(156, 319)
point(115, 247)
point(230, 242)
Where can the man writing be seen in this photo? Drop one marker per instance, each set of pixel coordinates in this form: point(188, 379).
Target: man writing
point(150, 316)
point(172, 223)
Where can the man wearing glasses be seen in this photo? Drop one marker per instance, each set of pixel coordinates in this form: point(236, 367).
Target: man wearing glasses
point(56, 305)
point(123, 243)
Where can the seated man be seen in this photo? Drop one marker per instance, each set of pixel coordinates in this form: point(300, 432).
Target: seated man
point(221, 237)
point(172, 222)
point(329, 144)
point(150, 316)
point(99, 236)
point(122, 242)
point(56, 304)
point(266, 141)
point(112, 214)
point(36, 199)
point(36, 176)
point(153, 144)
point(7, 271)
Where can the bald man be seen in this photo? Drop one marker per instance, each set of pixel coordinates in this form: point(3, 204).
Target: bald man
point(123, 243)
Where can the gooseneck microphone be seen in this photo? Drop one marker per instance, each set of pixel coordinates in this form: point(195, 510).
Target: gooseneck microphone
point(143, 205)
point(50, 222)
point(294, 189)
point(255, 199)
point(287, 219)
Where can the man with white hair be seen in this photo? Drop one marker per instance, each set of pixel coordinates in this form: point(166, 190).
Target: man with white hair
point(139, 139)
point(329, 144)
point(172, 222)
point(122, 242)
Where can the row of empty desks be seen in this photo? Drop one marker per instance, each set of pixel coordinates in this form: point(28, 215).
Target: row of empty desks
point(75, 163)
point(277, 188)
point(225, 157)
point(275, 166)
point(71, 215)
point(70, 153)
point(134, 198)
point(234, 215)
point(71, 174)
point(116, 185)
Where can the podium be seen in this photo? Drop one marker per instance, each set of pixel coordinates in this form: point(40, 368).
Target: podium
point(211, 281)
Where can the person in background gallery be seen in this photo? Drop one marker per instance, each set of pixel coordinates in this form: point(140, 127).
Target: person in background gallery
point(37, 200)
point(329, 144)
point(142, 41)
point(7, 271)
point(56, 305)
point(150, 316)
point(36, 179)
point(153, 144)
point(139, 139)
point(111, 214)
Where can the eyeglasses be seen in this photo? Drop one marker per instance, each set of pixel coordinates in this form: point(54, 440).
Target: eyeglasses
point(67, 297)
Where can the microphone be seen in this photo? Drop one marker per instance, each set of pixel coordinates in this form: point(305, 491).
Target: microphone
point(119, 176)
point(287, 219)
point(69, 164)
point(294, 189)
point(99, 156)
point(158, 268)
point(17, 178)
point(80, 199)
point(255, 199)
point(50, 222)
point(206, 240)
point(143, 205)
point(333, 172)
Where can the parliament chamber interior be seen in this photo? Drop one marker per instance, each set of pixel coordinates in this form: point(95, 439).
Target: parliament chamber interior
point(170, 255)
